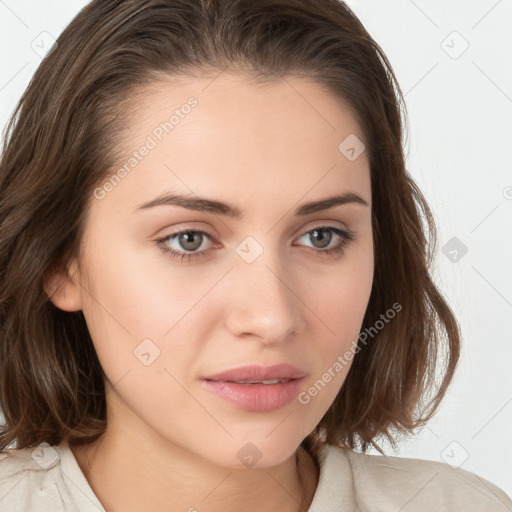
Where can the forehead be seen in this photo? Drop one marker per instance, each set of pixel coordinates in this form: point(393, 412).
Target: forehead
point(295, 108)
point(229, 136)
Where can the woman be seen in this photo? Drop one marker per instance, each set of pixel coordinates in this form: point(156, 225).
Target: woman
point(215, 281)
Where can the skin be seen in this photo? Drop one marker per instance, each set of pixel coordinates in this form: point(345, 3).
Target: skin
point(266, 148)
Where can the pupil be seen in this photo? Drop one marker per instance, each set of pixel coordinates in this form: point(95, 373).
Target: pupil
point(190, 240)
point(323, 237)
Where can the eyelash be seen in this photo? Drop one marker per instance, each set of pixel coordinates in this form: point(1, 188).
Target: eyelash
point(346, 235)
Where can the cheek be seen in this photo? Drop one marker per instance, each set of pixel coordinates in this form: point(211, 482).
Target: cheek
point(143, 291)
point(131, 299)
point(333, 354)
point(340, 303)
point(339, 297)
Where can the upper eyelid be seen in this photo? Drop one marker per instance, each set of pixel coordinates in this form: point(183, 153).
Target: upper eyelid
point(203, 231)
point(320, 224)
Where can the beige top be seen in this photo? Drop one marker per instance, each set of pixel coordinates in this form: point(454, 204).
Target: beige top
point(48, 478)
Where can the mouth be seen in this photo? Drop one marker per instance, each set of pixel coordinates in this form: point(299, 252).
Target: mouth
point(266, 382)
point(255, 374)
point(257, 388)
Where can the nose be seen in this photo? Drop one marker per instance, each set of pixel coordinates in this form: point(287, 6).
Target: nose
point(264, 302)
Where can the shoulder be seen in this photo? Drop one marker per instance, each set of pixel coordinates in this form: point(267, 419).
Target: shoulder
point(18, 463)
point(28, 479)
point(395, 483)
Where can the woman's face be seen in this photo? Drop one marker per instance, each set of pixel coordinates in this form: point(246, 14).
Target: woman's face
point(262, 274)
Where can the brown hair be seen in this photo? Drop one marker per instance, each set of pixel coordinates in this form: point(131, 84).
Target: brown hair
point(60, 144)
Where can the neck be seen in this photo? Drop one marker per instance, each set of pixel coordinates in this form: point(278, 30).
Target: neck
point(128, 474)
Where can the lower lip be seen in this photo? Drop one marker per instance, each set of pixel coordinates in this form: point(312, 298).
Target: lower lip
point(256, 397)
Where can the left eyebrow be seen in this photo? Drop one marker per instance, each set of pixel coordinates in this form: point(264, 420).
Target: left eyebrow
point(217, 207)
point(330, 202)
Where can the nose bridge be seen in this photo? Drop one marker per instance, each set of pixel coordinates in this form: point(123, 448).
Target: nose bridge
point(264, 303)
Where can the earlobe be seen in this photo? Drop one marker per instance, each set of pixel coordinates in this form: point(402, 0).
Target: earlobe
point(63, 288)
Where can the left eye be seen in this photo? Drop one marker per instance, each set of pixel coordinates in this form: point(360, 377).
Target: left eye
point(322, 236)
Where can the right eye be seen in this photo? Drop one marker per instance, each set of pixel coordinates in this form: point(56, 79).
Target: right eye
point(186, 243)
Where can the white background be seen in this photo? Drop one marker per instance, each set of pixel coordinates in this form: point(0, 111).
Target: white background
point(458, 150)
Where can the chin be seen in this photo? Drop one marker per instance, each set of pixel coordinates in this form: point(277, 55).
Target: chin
point(256, 452)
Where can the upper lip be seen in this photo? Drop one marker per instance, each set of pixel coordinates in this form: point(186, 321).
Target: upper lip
point(258, 373)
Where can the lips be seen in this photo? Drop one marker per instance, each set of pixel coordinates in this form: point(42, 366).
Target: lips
point(257, 388)
point(258, 374)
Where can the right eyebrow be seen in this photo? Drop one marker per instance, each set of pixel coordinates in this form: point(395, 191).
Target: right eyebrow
point(192, 203)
